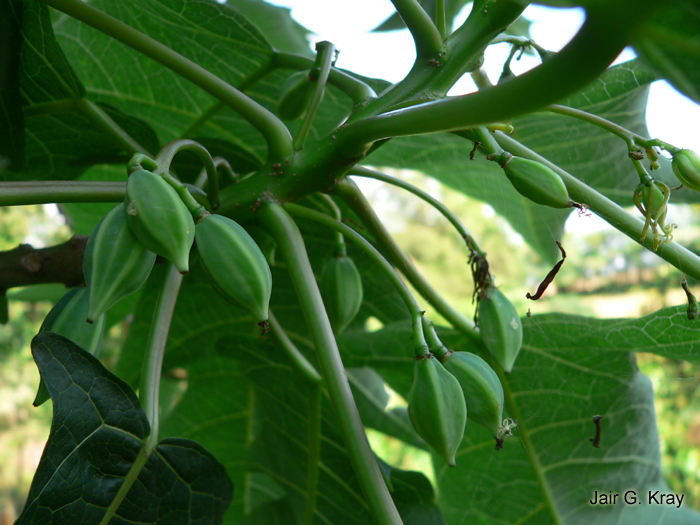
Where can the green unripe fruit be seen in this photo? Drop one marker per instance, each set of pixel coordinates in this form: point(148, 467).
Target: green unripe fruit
point(341, 289)
point(236, 267)
point(535, 181)
point(686, 166)
point(482, 389)
point(158, 218)
point(295, 96)
point(115, 265)
point(436, 407)
point(501, 329)
point(67, 318)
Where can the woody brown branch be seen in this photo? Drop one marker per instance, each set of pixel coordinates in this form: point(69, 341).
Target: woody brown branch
point(26, 265)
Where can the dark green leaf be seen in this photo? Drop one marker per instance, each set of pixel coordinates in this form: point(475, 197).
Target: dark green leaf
point(97, 433)
point(671, 45)
point(62, 146)
point(11, 116)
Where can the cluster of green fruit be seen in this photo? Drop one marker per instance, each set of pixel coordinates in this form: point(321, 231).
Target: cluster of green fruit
point(122, 249)
point(445, 383)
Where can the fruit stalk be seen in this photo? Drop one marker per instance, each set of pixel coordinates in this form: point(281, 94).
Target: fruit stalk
point(149, 390)
point(291, 246)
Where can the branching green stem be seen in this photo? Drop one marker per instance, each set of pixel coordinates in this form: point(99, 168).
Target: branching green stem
point(353, 197)
point(440, 21)
point(168, 152)
point(296, 358)
point(357, 90)
point(607, 29)
point(633, 140)
point(435, 203)
point(22, 193)
point(325, 54)
point(425, 35)
point(276, 135)
point(675, 254)
point(291, 246)
point(149, 390)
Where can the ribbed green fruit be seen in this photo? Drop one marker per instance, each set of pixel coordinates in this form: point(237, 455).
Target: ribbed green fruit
point(236, 267)
point(67, 318)
point(341, 289)
point(158, 218)
point(482, 389)
point(535, 181)
point(437, 409)
point(686, 166)
point(115, 265)
point(501, 329)
point(295, 96)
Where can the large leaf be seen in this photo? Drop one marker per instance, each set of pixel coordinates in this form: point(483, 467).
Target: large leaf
point(570, 368)
point(671, 45)
point(215, 36)
point(97, 434)
point(60, 144)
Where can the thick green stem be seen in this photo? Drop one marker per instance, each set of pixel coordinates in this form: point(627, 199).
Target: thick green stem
point(168, 152)
point(605, 33)
point(291, 246)
point(425, 35)
point(357, 90)
point(296, 358)
point(279, 142)
point(325, 54)
point(439, 206)
point(675, 254)
point(440, 21)
point(149, 390)
point(354, 198)
point(22, 193)
point(315, 406)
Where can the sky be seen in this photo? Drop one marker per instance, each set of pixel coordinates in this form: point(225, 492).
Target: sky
point(671, 116)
